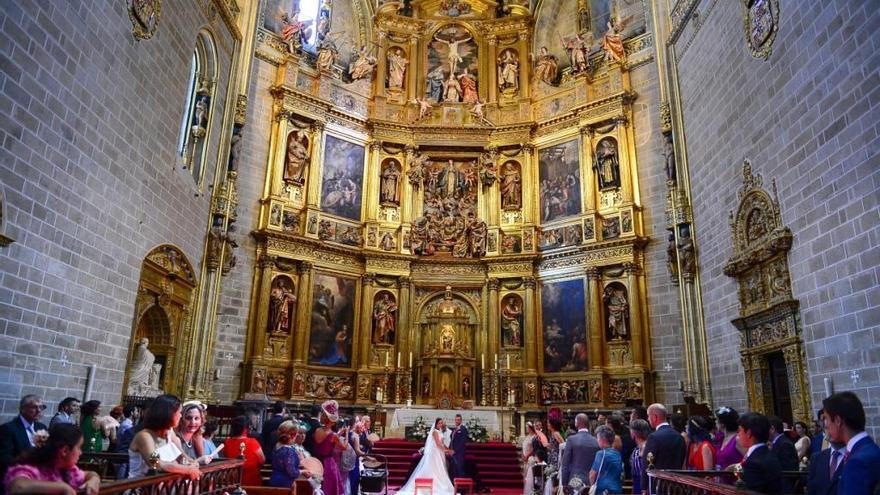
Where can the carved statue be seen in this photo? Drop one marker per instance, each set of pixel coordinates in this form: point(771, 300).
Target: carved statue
point(258, 382)
point(452, 54)
point(478, 231)
point(511, 324)
point(364, 65)
point(281, 306)
point(419, 241)
point(477, 112)
point(672, 257)
point(612, 45)
point(389, 192)
point(511, 186)
point(297, 157)
point(468, 87)
point(396, 68)
point(488, 167)
point(293, 31)
point(686, 254)
point(200, 116)
point(434, 83)
point(416, 172)
point(617, 309)
point(578, 53)
point(143, 378)
point(387, 243)
point(607, 165)
point(669, 154)
point(508, 71)
point(546, 66)
point(452, 89)
point(384, 319)
point(328, 53)
point(424, 107)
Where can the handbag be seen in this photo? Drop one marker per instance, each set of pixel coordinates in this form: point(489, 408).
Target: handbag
point(595, 485)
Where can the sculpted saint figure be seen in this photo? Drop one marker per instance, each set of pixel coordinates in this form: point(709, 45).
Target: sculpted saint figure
point(618, 311)
point(141, 375)
point(612, 45)
point(607, 164)
point(297, 157)
point(546, 66)
point(384, 320)
point(363, 66)
point(468, 87)
point(389, 192)
point(396, 68)
point(577, 53)
point(452, 55)
point(510, 322)
point(328, 54)
point(511, 186)
point(281, 307)
point(508, 71)
point(452, 89)
point(434, 83)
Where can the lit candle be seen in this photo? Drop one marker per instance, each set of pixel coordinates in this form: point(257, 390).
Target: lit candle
point(483, 360)
point(410, 359)
point(398, 360)
point(508, 361)
point(496, 361)
point(386, 359)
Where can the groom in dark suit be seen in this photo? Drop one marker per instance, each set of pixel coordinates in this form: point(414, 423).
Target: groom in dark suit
point(456, 444)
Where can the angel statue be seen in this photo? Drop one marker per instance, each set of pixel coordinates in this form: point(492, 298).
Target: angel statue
point(424, 107)
point(364, 65)
point(477, 112)
point(452, 54)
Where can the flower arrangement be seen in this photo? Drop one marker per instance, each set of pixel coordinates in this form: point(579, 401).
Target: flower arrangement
point(476, 432)
point(41, 437)
point(419, 430)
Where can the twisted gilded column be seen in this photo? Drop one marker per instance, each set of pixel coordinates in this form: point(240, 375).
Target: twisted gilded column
point(594, 324)
point(530, 333)
point(303, 313)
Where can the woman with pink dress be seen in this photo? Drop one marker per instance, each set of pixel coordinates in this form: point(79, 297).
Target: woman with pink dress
point(51, 467)
point(728, 451)
point(328, 447)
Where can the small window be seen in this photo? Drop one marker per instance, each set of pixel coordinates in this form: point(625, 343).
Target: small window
point(195, 126)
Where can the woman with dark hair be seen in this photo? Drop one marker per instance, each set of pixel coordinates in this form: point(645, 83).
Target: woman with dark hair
point(157, 436)
point(252, 451)
point(802, 442)
point(701, 452)
point(208, 437)
point(51, 467)
point(554, 446)
point(93, 439)
point(727, 446)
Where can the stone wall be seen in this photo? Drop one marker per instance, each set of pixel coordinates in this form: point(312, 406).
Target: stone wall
point(807, 117)
point(90, 122)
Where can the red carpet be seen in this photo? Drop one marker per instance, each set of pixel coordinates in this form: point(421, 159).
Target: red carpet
point(495, 465)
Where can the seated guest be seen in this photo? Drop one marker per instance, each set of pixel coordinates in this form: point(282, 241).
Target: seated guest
point(252, 452)
point(157, 435)
point(701, 452)
point(51, 467)
point(17, 436)
point(640, 429)
point(93, 439)
point(208, 437)
point(285, 460)
point(607, 465)
point(761, 469)
point(845, 423)
point(728, 449)
point(66, 410)
point(189, 430)
point(803, 441)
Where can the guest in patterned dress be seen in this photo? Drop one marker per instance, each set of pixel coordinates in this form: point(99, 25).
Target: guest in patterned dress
point(640, 429)
point(51, 467)
point(285, 460)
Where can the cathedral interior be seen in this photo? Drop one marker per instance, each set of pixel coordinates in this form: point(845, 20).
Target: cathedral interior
point(591, 204)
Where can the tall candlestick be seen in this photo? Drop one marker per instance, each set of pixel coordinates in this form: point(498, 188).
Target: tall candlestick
point(508, 361)
point(386, 359)
point(410, 359)
point(496, 361)
point(398, 360)
point(482, 360)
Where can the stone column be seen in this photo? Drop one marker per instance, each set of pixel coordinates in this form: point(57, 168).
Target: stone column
point(365, 337)
point(303, 314)
point(635, 314)
point(530, 332)
point(595, 329)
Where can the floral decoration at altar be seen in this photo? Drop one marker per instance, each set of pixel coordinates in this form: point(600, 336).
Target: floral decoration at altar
point(476, 432)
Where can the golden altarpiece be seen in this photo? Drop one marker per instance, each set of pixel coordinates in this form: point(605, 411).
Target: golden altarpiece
point(442, 217)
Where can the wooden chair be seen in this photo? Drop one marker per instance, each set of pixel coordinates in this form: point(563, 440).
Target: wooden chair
point(424, 484)
point(465, 486)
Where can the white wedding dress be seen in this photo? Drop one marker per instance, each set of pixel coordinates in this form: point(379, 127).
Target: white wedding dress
point(433, 466)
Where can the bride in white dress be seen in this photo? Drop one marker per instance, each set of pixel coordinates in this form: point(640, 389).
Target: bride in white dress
point(432, 465)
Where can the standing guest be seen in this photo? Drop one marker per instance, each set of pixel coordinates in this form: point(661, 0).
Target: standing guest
point(665, 443)
point(269, 435)
point(555, 444)
point(782, 447)
point(845, 423)
point(679, 423)
point(189, 430)
point(66, 410)
point(354, 439)
point(818, 437)
point(157, 436)
point(328, 447)
point(129, 417)
point(208, 437)
point(312, 425)
point(528, 457)
point(607, 465)
point(93, 439)
point(623, 441)
point(252, 452)
point(17, 436)
point(729, 451)
point(365, 442)
point(825, 470)
point(640, 430)
point(701, 452)
point(51, 467)
point(579, 453)
point(285, 460)
point(803, 442)
point(761, 469)
point(638, 412)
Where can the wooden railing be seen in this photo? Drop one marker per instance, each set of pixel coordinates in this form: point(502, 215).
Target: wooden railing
point(217, 478)
point(672, 482)
point(106, 464)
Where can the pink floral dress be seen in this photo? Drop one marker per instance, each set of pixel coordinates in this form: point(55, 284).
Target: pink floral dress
point(75, 477)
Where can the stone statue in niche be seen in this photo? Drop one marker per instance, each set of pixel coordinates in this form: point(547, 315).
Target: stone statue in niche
point(607, 165)
point(297, 157)
point(447, 339)
point(363, 66)
point(282, 306)
point(686, 255)
point(511, 186)
point(466, 387)
point(200, 116)
point(397, 63)
point(511, 321)
point(578, 53)
point(143, 376)
point(672, 257)
point(426, 387)
point(389, 192)
point(508, 71)
point(669, 155)
point(258, 382)
point(293, 31)
point(616, 311)
point(384, 318)
point(546, 66)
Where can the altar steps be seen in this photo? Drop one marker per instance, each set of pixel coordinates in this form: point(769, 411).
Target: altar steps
point(494, 465)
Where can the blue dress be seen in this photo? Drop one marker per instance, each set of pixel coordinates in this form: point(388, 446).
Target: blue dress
point(285, 467)
point(609, 474)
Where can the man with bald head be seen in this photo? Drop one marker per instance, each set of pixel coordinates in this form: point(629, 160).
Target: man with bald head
point(665, 443)
point(579, 453)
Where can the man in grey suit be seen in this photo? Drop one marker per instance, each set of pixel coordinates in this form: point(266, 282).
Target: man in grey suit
point(579, 452)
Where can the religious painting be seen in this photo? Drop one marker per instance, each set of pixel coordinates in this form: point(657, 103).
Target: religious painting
point(511, 186)
point(512, 321)
point(275, 215)
point(384, 317)
point(343, 175)
point(453, 68)
point(332, 320)
point(589, 229)
point(290, 221)
point(389, 182)
point(282, 306)
point(563, 318)
point(454, 8)
point(559, 173)
point(615, 301)
point(611, 227)
point(511, 244)
point(449, 222)
point(607, 164)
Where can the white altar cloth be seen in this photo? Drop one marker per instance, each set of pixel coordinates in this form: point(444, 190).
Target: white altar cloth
point(406, 417)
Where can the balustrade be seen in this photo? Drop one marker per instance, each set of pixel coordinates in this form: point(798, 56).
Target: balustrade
point(217, 478)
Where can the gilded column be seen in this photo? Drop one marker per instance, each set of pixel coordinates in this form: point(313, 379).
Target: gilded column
point(382, 64)
point(491, 58)
point(317, 153)
point(588, 188)
point(303, 313)
point(403, 324)
point(266, 264)
point(530, 333)
point(366, 338)
point(626, 152)
point(413, 70)
point(594, 325)
point(373, 171)
point(525, 67)
point(529, 179)
point(492, 335)
point(635, 314)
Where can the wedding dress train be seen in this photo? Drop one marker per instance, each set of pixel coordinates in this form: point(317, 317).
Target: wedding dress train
point(433, 466)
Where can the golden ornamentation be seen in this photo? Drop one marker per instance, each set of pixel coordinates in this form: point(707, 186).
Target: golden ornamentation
point(761, 22)
point(144, 16)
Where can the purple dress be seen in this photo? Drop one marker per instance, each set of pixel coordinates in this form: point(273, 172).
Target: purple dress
point(727, 455)
point(329, 455)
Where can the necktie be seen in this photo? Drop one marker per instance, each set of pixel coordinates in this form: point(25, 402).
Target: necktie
point(31, 432)
point(835, 461)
